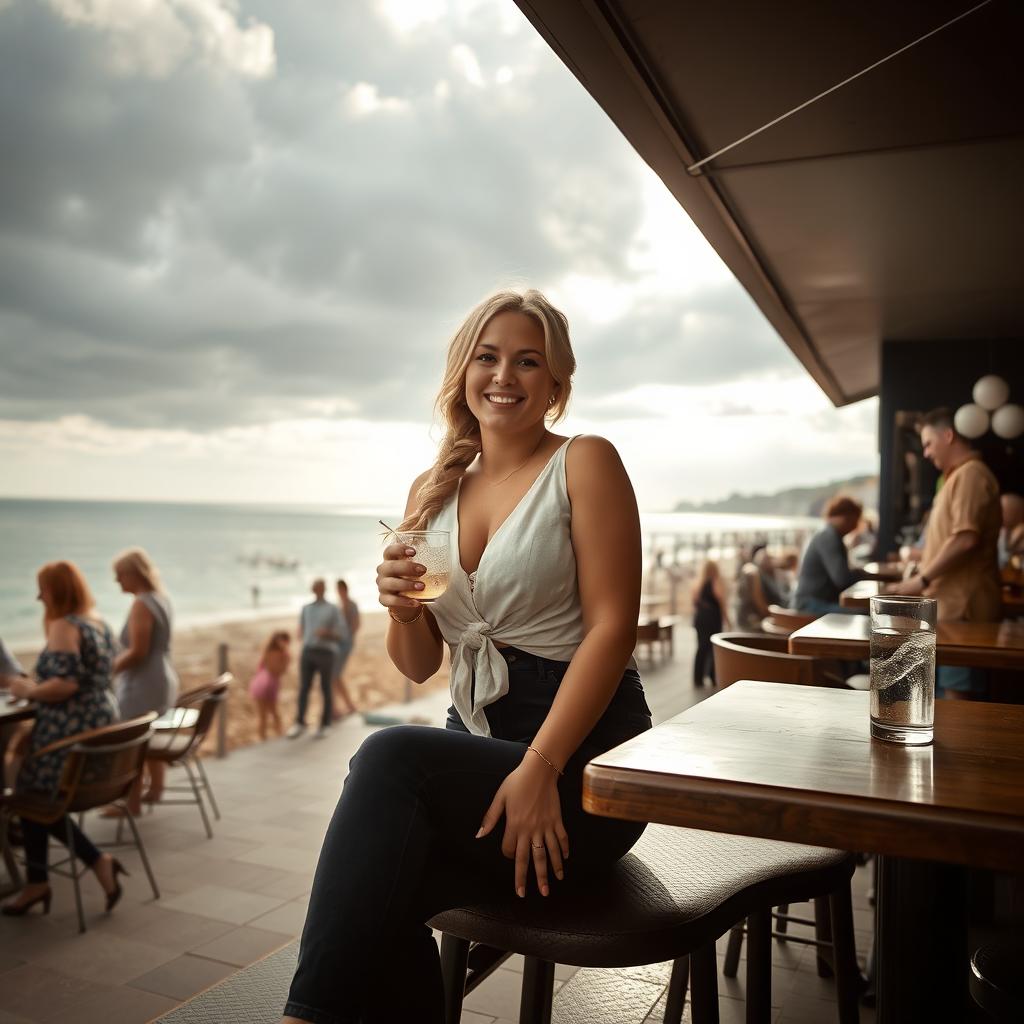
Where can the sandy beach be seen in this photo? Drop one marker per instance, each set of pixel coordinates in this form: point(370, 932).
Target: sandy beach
point(372, 680)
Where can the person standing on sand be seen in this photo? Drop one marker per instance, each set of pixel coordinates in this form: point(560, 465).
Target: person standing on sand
point(321, 631)
point(265, 685)
point(350, 612)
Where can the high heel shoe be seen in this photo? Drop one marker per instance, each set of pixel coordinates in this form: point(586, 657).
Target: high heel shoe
point(115, 894)
point(20, 910)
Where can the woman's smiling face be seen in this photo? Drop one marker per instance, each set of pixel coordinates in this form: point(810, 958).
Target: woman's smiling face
point(508, 383)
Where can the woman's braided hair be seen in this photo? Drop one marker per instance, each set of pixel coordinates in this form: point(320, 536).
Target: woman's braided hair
point(461, 442)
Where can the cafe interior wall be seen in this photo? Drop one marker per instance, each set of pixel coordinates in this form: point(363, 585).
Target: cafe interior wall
point(917, 376)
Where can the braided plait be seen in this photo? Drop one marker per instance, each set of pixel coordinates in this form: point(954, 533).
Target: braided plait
point(459, 447)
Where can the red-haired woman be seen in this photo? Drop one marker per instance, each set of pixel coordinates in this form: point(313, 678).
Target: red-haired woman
point(72, 694)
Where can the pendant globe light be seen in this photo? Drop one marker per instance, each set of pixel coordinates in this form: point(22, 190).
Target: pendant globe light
point(1008, 422)
point(971, 421)
point(991, 392)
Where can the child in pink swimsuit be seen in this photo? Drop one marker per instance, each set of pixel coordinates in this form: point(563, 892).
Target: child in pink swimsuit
point(265, 685)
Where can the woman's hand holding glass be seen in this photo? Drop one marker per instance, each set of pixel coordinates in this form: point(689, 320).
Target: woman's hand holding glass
point(393, 576)
point(528, 798)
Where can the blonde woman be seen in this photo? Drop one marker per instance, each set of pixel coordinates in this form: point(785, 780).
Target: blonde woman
point(540, 616)
point(145, 680)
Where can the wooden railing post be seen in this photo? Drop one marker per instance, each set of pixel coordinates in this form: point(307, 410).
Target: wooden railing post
point(222, 711)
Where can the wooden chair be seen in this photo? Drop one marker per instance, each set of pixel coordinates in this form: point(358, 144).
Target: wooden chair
point(101, 766)
point(178, 742)
point(647, 635)
point(782, 621)
point(763, 656)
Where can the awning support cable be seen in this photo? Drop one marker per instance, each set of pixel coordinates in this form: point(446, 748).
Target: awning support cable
point(694, 169)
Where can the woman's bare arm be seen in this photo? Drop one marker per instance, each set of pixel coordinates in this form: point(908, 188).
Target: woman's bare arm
point(606, 538)
point(415, 648)
point(62, 637)
point(140, 633)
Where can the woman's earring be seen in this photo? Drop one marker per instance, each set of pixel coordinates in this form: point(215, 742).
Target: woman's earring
point(551, 400)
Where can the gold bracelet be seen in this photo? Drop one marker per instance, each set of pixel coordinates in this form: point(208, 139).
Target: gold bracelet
point(546, 761)
point(406, 622)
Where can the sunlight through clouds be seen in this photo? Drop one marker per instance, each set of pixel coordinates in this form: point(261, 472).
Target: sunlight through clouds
point(155, 37)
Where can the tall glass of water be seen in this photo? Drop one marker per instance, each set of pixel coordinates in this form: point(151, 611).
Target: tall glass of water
point(434, 553)
point(903, 669)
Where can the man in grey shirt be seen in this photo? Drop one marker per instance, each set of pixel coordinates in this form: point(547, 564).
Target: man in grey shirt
point(825, 568)
point(321, 630)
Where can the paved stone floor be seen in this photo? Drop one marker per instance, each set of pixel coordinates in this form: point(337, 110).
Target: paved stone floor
point(227, 901)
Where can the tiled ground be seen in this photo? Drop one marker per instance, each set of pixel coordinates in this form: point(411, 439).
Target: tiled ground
point(228, 901)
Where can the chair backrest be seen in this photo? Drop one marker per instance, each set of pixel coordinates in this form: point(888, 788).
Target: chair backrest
point(101, 767)
point(647, 631)
point(215, 696)
point(206, 699)
point(783, 621)
point(761, 656)
point(194, 697)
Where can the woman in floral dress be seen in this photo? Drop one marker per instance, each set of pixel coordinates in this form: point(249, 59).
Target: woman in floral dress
point(72, 694)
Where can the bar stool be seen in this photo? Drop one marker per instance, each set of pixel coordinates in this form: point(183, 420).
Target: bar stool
point(669, 899)
point(997, 981)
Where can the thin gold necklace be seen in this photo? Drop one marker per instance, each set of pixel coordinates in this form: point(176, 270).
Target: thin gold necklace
point(519, 467)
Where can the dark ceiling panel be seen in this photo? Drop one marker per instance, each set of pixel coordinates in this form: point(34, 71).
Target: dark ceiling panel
point(888, 209)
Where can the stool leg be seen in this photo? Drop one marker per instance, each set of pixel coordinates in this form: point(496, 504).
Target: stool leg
point(677, 991)
point(538, 990)
point(823, 933)
point(704, 985)
point(845, 955)
point(782, 926)
point(759, 967)
point(732, 951)
point(454, 956)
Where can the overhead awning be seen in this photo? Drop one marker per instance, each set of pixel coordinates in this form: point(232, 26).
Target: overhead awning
point(890, 208)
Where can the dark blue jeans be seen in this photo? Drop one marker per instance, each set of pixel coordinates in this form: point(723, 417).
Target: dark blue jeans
point(316, 661)
point(36, 842)
point(400, 848)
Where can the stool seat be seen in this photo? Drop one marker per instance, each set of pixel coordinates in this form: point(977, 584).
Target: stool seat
point(997, 980)
point(676, 890)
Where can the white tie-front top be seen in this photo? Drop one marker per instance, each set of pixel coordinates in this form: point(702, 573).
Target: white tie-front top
point(523, 594)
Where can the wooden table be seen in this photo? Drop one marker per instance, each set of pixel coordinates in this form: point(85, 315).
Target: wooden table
point(884, 570)
point(797, 763)
point(976, 644)
point(858, 597)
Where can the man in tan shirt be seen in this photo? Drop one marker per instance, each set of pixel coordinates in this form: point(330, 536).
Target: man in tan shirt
point(959, 566)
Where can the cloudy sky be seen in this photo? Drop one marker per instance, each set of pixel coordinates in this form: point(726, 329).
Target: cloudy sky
point(235, 236)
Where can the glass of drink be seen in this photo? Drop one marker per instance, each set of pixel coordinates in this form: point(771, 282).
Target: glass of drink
point(434, 553)
point(903, 669)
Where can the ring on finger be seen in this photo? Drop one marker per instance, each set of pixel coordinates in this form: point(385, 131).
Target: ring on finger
point(537, 846)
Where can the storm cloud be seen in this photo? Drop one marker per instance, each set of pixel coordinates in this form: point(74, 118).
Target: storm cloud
point(216, 213)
